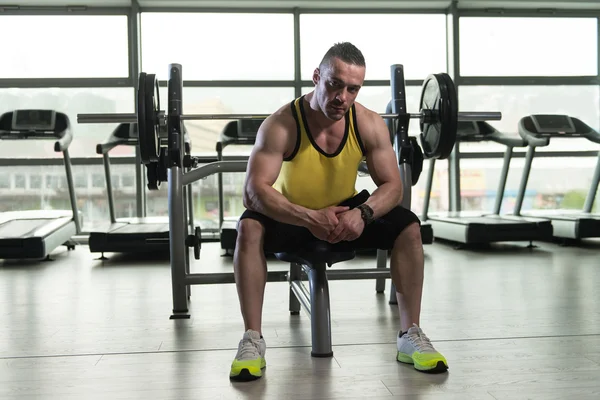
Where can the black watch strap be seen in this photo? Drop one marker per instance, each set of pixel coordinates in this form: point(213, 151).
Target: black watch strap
point(366, 213)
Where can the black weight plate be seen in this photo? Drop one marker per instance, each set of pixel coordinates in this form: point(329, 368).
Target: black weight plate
point(152, 176)
point(148, 128)
point(416, 160)
point(450, 118)
point(438, 99)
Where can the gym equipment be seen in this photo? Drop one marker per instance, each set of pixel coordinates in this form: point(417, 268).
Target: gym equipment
point(34, 234)
point(481, 228)
point(537, 130)
point(132, 235)
point(438, 116)
point(413, 157)
point(181, 277)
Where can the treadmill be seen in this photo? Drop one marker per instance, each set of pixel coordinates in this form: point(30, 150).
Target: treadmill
point(132, 235)
point(238, 132)
point(538, 130)
point(34, 234)
point(485, 228)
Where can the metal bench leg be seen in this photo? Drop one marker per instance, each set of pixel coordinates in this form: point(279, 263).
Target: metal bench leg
point(320, 311)
point(381, 263)
point(295, 275)
point(393, 298)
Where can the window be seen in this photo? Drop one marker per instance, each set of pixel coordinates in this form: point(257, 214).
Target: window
point(374, 35)
point(20, 181)
point(115, 180)
point(377, 98)
point(219, 46)
point(35, 182)
point(128, 181)
point(81, 181)
point(205, 134)
point(99, 181)
point(54, 195)
point(61, 46)
point(528, 46)
point(553, 183)
point(4, 182)
point(71, 101)
point(516, 102)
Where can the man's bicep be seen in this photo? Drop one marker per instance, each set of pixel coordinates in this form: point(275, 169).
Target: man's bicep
point(263, 167)
point(381, 157)
point(267, 155)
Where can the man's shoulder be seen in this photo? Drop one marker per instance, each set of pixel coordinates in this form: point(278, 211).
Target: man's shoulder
point(366, 119)
point(282, 118)
point(364, 113)
point(278, 130)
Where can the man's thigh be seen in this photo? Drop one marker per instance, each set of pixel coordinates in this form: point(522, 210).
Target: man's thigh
point(279, 237)
point(382, 233)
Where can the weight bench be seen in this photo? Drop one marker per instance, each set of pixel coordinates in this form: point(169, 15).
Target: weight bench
point(314, 259)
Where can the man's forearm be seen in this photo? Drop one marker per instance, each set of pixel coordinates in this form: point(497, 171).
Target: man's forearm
point(273, 204)
point(384, 198)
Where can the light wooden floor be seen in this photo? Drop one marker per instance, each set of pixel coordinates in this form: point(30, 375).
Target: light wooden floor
point(514, 323)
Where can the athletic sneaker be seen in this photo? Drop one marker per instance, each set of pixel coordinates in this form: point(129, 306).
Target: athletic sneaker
point(250, 358)
point(414, 347)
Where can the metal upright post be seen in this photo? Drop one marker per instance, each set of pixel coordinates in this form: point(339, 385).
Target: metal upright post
point(428, 188)
point(177, 222)
point(589, 200)
point(453, 64)
point(524, 179)
point(220, 186)
point(72, 195)
point(134, 71)
point(402, 143)
point(109, 189)
point(503, 178)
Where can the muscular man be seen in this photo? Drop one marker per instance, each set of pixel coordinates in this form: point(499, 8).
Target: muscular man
point(300, 187)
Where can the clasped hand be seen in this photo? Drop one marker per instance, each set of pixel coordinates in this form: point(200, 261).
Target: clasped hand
point(337, 223)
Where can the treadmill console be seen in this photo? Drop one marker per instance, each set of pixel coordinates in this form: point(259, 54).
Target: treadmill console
point(33, 124)
point(553, 125)
point(474, 131)
point(239, 132)
point(33, 120)
point(248, 128)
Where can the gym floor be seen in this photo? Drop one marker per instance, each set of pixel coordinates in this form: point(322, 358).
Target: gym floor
point(513, 322)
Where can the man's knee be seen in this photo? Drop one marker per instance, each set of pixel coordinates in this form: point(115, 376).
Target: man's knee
point(250, 232)
point(411, 235)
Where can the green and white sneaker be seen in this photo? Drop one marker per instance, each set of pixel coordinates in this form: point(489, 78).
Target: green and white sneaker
point(414, 347)
point(250, 358)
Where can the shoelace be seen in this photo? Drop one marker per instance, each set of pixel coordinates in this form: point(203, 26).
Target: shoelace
point(420, 340)
point(248, 350)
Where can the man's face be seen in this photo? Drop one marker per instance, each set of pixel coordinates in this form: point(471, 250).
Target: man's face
point(336, 87)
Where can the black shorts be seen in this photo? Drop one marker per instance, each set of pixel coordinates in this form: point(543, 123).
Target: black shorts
point(380, 234)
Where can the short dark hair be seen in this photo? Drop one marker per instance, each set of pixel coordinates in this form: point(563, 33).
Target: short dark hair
point(346, 52)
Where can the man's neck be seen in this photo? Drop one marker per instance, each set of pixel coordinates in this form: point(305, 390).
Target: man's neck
point(317, 115)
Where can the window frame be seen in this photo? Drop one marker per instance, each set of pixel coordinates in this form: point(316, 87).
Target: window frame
point(74, 82)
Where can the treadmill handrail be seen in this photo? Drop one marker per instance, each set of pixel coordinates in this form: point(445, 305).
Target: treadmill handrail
point(236, 141)
point(592, 135)
point(112, 142)
point(507, 140)
point(531, 140)
point(64, 142)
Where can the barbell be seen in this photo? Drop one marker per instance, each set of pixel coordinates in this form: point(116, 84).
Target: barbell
point(438, 116)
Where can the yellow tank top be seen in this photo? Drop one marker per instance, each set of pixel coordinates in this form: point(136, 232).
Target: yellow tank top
point(314, 179)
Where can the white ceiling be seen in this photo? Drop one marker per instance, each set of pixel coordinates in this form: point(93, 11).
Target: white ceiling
point(346, 4)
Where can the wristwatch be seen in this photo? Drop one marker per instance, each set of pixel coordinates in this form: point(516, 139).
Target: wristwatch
point(366, 213)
